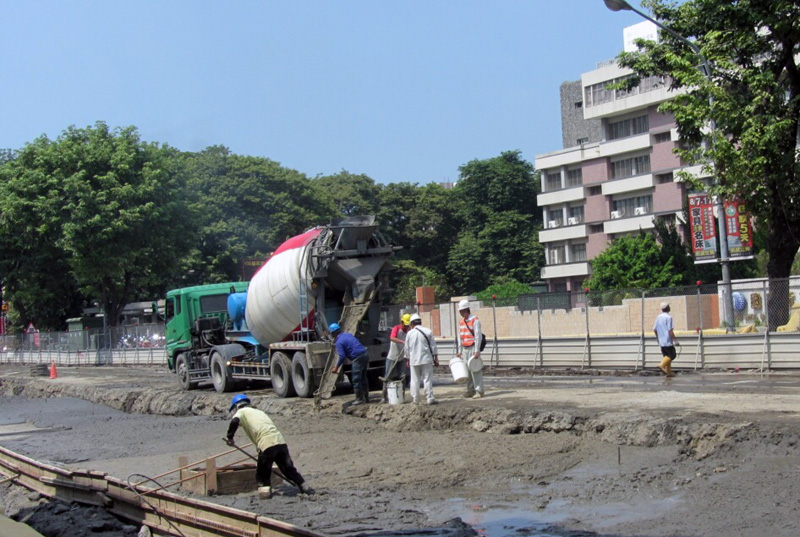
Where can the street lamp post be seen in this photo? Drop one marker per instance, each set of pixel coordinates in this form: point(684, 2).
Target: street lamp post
point(719, 206)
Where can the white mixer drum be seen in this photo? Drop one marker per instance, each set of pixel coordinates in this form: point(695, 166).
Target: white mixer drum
point(273, 296)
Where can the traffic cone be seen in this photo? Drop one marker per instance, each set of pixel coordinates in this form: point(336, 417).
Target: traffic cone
point(53, 372)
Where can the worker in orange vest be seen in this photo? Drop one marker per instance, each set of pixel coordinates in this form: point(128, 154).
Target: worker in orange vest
point(470, 336)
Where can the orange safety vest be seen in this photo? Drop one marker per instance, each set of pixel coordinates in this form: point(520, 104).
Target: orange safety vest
point(467, 337)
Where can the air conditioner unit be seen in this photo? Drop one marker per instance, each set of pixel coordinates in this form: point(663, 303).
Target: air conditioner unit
point(574, 221)
point(640, 211)
point(552, 223)
point(616, 214)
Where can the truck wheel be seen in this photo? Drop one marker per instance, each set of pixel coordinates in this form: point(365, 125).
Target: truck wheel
point(280, 371)
point(182, 369)
point(303, 376)
point(220, 375)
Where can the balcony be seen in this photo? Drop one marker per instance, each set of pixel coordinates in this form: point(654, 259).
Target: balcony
point(625, 145)
point(626, 225)
point(566, 270)
point(563, 233)
point(631, 184)
point(560, 196)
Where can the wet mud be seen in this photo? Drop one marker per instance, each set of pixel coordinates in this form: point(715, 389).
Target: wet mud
point(522, 461)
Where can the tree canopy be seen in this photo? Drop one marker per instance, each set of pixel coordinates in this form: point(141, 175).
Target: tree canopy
point(752, 96)
point(98, 215)
point(98, 204)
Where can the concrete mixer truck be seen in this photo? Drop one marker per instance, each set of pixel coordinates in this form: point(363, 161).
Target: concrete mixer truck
point(275, 327)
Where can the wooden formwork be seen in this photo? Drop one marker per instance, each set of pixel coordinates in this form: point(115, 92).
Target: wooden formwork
point(210, 479)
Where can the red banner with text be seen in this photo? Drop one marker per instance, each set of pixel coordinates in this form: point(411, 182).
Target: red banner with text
point(703, 230)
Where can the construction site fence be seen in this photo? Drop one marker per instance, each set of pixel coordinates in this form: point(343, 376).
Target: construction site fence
point(123, 345)
point(587, 329)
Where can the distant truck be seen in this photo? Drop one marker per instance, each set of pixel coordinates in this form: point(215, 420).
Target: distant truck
point(275, 327)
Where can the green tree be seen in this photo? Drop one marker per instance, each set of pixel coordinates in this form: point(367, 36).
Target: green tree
point(495, 201)
point(433, 227)
point(633, 261)
point(104, 209)
point(505, 290)
point(408, 276)
point(248, 207)
point(351, 194)
point(752, 94)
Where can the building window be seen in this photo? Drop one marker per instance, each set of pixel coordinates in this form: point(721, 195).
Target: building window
point(628, 127)
point(595, 190)
point(574, 177)
point(630, 167)
point(661, 137)
point(560, 287)
point(575, 215)
point(555, 255)
point(579, 104)
point(597, 94)
point(596, 228)
point(577, 252)
point(582, 141)
point(553, 181)
point(632, 206)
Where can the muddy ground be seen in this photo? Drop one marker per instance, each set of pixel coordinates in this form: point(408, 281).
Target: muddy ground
point(565, 455)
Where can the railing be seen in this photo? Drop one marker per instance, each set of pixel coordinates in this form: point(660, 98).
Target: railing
point(580, 329)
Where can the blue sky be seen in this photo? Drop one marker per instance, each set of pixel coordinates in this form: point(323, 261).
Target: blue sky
point(401, 91)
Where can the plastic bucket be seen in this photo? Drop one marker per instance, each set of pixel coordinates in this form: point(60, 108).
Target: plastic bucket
point(395, 393)
point(459, 370)
point(475, 364)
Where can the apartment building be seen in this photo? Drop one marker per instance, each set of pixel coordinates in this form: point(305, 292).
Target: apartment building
point(614, 176)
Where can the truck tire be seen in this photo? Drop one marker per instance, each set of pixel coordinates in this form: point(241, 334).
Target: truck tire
point(220, 375)
point(280, 371)
point(182, 369)
point(303, 377)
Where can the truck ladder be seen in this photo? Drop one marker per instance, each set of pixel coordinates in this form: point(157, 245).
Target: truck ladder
point(351, 318)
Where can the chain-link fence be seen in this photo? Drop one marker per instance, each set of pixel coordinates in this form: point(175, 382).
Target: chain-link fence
point(137, 344)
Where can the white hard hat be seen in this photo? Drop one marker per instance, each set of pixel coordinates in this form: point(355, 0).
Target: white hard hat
point(415, 317)
point(664, 305)
point(463, 305)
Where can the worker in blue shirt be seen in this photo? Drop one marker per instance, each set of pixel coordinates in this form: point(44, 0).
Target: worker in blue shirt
point(350, 348)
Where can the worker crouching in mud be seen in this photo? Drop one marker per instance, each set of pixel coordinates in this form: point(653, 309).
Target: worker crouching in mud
point(270, 444)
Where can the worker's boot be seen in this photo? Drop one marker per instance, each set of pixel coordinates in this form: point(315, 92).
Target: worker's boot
point(365, 397)
point(385, 396)
point(359, 398)
point(668, 367)
point(663, 365)
point(265, 493)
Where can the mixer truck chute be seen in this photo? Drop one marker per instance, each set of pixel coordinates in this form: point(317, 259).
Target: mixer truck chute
point(274, 327)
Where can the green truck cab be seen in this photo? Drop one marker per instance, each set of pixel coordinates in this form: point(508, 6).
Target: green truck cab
point(186, 310)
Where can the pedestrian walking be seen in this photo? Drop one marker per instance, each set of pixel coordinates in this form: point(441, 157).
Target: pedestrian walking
point(396, 363)
point(269, 442)
point(350, 348)
point(422, 355)
point(470, 336)
point(663, 330)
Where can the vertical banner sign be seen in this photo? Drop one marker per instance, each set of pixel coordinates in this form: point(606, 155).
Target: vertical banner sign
point(740, 234)
point(704, 232)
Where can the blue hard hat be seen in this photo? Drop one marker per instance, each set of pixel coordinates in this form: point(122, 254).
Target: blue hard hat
point(334, 327)
point(238, 399)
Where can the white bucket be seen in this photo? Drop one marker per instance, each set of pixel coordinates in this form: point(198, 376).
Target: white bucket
point(475, 364)
point(395, 393)
point(459, 370)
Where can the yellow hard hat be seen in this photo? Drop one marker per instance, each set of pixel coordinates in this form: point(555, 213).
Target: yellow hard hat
point(406, 319)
